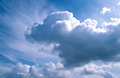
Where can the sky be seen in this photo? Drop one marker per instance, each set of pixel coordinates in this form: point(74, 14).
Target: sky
point(59, 39)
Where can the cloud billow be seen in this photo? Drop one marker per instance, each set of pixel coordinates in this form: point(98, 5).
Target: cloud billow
point(79, 43)
point(51, 70)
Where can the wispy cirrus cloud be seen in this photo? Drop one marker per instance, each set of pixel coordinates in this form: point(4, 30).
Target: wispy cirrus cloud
point(16, 17)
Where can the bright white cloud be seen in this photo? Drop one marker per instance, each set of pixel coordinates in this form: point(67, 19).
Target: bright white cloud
point(71, 23)
point(90, 23)
point(115, 22)
point(102, 70)
point(118, 4)
point(105, 10)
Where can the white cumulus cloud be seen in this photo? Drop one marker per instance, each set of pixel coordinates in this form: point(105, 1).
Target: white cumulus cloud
point(51, 70)
point(114, 22)
point(105, 10)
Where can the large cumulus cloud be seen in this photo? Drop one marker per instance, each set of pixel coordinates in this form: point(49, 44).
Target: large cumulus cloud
point(78, 42)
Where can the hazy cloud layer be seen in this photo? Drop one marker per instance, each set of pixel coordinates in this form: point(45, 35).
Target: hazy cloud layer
point(77, 43)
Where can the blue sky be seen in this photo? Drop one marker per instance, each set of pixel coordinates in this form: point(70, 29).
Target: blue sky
point(59, 39)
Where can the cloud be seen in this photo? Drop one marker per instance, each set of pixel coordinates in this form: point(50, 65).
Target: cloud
point(17, 72)
point(79, 43)
point(51, 70)
point(23, 71)
point(115, 22)
point(118, 4)
point(105, 10)
point(24, 13)
point(91, 68)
